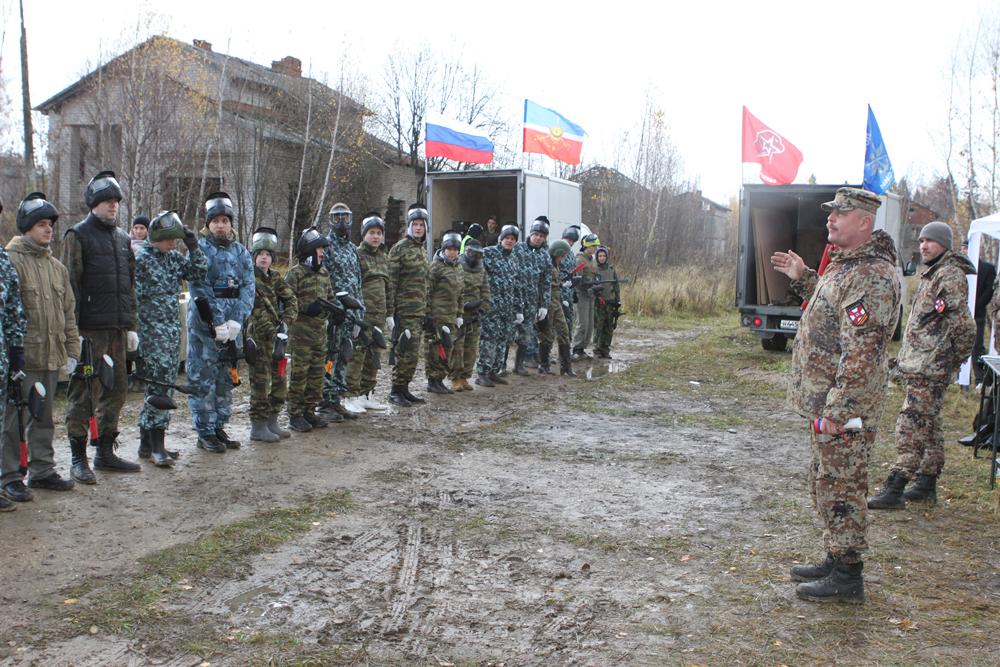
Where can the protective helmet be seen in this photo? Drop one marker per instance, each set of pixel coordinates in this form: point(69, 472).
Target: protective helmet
point(509, 230)
point(33, 209)
point(473, 248)
point(416, 212)
point(307, 244)
point(340, 219)
point(572, 234)
point(590, 241)
point(475, 231)
point(372, 221)
point(102, 187)
point(166, 226)
point(559, 249)
point(539, 226)
point(264, 238)
point(451, 240)
point(607, 255)
point(218, 203)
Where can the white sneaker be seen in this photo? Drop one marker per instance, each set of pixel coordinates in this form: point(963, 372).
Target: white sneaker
point(368, 401)
point(353, 405)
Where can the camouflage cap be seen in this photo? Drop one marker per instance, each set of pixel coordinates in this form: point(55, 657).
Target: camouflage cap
point(848, 199)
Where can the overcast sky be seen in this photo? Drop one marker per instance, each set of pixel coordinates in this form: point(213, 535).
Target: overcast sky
point(806, 69)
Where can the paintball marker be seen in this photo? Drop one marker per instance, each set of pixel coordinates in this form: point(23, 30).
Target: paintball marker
point(187, 389)
point(337, 310)
point(278, 353)
point(372, 336)
point(442, 343)
point(401, 339)
point(104, 372)
point(35, 404)
point(232, 354)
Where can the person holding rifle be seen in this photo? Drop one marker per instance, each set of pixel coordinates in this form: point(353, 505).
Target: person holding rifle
point(608, 304)
point(476, 300)
point(444, 312)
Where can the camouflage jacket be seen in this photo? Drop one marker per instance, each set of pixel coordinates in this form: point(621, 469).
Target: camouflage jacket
point(566, 266)
point(839, 361)
point(612, 292)
point(341, 261)
point(408, 270)
point(444, 290)
point(941, 331)
point(475, 287)
point(158, 277)
point(273, 303)
point(15, 321)
point(489, 238)
point(230, 270)
point(505, 296)
point(375, 284)
point(49, 306)
point(534, 271)
point(307, 286)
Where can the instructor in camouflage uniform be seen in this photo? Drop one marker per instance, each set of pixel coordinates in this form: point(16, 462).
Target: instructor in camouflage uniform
point(444, 311)
point(406, 301)
point(939, 336)
point(475, 290)
point(839, 374)
point(498, 323)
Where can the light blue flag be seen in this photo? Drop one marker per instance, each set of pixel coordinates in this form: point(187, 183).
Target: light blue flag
point(878, 169)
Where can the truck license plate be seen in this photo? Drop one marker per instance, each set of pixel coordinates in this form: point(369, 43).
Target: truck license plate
point(789, 324)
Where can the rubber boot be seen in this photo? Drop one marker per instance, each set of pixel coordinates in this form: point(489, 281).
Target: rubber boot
point(223, 437)
point(273, 427)
point(106, 459)
point(496, 379)
point(160, 456)
point(397, 396)
point(483, 380)
point(145, 448)
point(80, 470)
point(506, 357)
point(891, 495)
point(844, 584)
point(924, 489)
point(544, 360)
point(210, 443)
point(519, 356)
point(565, 361)
point(813, 572)
point(260, 432)
point(410, 397)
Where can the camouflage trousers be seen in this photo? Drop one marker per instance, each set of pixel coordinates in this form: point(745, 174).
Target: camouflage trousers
point(107, 404)
point(496, 335)
point(307, 342)
point(362, 372)
point(436, 367)
point(38, 433)
point(210, 374)
point(465, 352)
point(406, 363)
point(268, 390)
point(838, 483)
point(604, 327)
point(553, 327)
point(584, 323)
point(919, 440)
point(528, 336)
point(159, 361)
point(335, 382)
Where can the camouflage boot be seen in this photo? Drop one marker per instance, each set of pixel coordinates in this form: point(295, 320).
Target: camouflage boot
point(891, 496)
point(843, 584)
point(924, 489)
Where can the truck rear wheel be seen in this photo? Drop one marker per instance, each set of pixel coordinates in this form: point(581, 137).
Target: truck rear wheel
point(776, 343)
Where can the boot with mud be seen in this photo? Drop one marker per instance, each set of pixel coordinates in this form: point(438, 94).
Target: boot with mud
point(328, 413)
point(342, 410)
point(106, 459)
point(223, 437)
point(275, 428)
point(496, 379)
point(80, 469)
point(545, 360)
point(565, 362)
point(299, 424)
point(211, 444)
point(813, 572)
point(483, 380)
point(923, 489)
point(145, 449)
point(891, 495)
point(319, 421)
point(519, 357)
point(845, 583)
point(437, 387)
point(159, 452)
point(259, 432)
point(410, 397)
point(460, 384)
point(397, 397)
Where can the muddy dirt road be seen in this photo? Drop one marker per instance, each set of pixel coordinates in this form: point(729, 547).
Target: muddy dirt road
point(553, 521)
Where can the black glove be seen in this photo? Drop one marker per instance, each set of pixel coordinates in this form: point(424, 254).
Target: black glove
point(190, 240)
point(429, 324)
point(597, 289)
point(576, 297)
point(576, 280)
point(314, 309)
point(16, 357)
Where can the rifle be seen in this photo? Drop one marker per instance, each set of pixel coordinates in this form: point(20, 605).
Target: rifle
point(232, 354)
point(401, 339)
point(375, 339)
point(35, 404)
point(338, 315)
point(189, 390)
point(442, 343)
point(105, 373)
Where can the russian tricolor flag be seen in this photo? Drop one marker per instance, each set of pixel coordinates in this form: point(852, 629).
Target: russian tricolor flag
point(456, 141)
point(550, 133)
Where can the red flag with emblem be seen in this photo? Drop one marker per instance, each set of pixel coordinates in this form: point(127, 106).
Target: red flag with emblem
point(778, 158)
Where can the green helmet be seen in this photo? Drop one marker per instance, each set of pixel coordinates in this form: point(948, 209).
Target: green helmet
point(166, 226)
point(264, 238)
point(559, 249)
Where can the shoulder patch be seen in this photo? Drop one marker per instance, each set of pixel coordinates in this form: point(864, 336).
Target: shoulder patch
point(940, 305)
point(857, 314)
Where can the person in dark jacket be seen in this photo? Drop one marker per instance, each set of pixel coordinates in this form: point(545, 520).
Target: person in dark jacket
point(986, 275)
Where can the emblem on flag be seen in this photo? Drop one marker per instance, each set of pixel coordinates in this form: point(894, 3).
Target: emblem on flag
point(857, 314)
point(940, 305)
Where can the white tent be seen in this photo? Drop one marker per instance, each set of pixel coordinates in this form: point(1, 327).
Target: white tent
point(990, 225)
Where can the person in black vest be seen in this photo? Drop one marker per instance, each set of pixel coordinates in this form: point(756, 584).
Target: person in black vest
point(101, 268)
point(986, 275)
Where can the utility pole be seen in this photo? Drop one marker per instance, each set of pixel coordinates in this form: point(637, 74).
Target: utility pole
point(29, 144)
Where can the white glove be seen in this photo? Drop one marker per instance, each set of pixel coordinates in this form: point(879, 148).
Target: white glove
point(234, 329)
point(70, 366)
point(542, 312)
point(459, 322)
point(565, 304)
point(518, 318)
point(356, 331)
point(568, 283)
point(388, 325)
point(222, 333)
point(131, 341)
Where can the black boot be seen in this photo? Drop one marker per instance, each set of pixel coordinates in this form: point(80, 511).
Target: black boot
point(843, 584)
point(410, 397)
point(923, 489)
point(338, 406)
point(223, 437)
point(891, 495)
point(80, 470)
point(483, 380)
point(565, 361)
point(211, 444)
point(398, 397)
point(144, 447)
point(519, 356)
point(315, 420)
point(544, 360)
point(813, 572)
point(159, 453)
point(328, 413)
point(106, 459)
point(496, 379)
point(437, 387)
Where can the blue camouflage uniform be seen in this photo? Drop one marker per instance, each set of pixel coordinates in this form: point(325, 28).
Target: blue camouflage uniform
point(15, 322)
point(498, 323)
point(534, 267)
point(229, 287)
point(158, 277)
point(341, 261)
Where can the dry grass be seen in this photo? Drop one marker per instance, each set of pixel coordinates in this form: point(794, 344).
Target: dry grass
point(695, 290)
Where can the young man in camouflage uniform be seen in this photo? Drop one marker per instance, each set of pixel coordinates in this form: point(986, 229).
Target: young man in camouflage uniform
point(939, 336)
point(342, 263)
point(362, 373)
point(553, 328)
point(567, 295)
point(498, 324)
point(13, 328)
point(535, 270)
point(51, 343)
point(839, 373)
point(407, 301)
point(607, 304)
point(475, 288)
point(444, 310)
point(309, 281)
point(159, 271)
point(585, 296)
point(98, 256)
point(274, 310)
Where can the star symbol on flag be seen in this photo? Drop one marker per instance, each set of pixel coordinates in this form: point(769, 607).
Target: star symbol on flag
point(768, 144)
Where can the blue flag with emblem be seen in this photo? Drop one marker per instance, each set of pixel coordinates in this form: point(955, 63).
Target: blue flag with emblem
point(878, 169)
